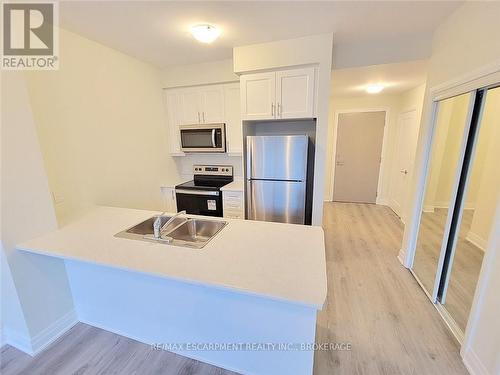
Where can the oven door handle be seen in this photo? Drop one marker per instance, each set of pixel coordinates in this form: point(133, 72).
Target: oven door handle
point(213, 138)
point(197, 192)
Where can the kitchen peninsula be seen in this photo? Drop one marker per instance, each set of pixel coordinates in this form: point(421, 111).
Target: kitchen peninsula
point(251, 272)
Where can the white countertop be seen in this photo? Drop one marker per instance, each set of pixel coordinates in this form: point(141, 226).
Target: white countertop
point(279, 261)
point(236, 185)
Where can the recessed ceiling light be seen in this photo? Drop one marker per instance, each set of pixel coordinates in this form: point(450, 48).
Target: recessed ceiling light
point(205, 33)
point(374, 89)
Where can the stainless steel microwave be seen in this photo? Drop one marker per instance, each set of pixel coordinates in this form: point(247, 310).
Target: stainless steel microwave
point(203, 138)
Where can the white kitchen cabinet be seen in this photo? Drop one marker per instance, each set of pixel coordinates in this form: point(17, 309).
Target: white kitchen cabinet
point(169, 201)
point(232, 118)
point(189, 108)
point(212, 104)
point(208, 104)
point(172, 102)
point(278, 95)
point(201, 105)
point(258, 96)
point(295, 93)
point(233, 204)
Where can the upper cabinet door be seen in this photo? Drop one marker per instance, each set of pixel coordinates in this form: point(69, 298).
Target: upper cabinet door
point(212, 104)
point(258, 96)
point(234, 132)
point(172, 102)
point(189, 106)
point(295, 93)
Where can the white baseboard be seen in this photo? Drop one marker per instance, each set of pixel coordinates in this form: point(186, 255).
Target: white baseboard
point(53, 332)
point(382, 201)
point(17, 340)
point(402, 257)
point(42, 340)
point(2, 340)
point(443, 204)
point(474, 364)
point(476, 240)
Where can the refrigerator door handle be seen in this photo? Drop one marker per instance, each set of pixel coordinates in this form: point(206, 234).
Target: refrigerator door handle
point(249, 158)
point(249, 199)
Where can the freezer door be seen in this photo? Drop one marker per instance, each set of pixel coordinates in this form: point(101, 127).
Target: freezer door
point(279, 201)
point(277, 157)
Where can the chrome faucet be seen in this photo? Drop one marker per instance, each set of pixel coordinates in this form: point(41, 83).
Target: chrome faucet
point(158, 229)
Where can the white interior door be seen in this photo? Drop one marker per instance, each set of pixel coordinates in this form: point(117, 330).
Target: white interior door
point(258, 96)
point(295, 93)
point(212, 104)
point(406, 140)
point(358, 156)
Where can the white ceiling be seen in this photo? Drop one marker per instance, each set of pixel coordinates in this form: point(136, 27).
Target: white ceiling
point(396, 78)
point(365, 32)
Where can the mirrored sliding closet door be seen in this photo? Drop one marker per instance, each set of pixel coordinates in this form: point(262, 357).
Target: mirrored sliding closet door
point(475, 219)
point(461, 193)
point(450, 131)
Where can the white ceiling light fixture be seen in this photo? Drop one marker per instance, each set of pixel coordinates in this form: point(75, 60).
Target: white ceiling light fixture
point(205, 33)
point(374, 89)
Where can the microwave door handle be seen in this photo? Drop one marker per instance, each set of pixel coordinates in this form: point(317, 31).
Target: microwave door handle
point(213, 138)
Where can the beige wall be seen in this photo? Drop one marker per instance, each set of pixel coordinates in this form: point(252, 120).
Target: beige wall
point(467, 41)
point(199, 74)
point(486, 181)
point(102, 128)
point(395, 105)
point(35, 289)
point(447, 144)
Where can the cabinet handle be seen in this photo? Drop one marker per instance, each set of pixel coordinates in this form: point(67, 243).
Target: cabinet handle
point(278, 112)
point(203, 116)
point(199, 117)
point(272, 109)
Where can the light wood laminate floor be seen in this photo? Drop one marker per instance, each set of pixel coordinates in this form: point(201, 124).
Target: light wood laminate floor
point(86, 350)
point(373, 303)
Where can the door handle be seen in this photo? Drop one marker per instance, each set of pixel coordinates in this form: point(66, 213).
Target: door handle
point(272, 109)
point(339, 163)
point(279, 111)
point(196, 192)
point(203, 116)
point(199, 118)
point(249, 199)
point(404, 171)
point(213, 138)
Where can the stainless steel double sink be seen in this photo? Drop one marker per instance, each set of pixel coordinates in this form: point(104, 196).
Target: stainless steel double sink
point(183, 231)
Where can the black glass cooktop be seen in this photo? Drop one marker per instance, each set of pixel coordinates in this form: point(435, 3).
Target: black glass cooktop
point(205, 184)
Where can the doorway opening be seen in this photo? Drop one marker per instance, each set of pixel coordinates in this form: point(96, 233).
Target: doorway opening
point(358, 156)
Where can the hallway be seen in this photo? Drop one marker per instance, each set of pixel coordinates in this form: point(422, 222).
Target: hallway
point(375, 304)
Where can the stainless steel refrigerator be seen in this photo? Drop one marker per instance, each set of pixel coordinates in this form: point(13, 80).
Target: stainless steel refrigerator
point(276, 172)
